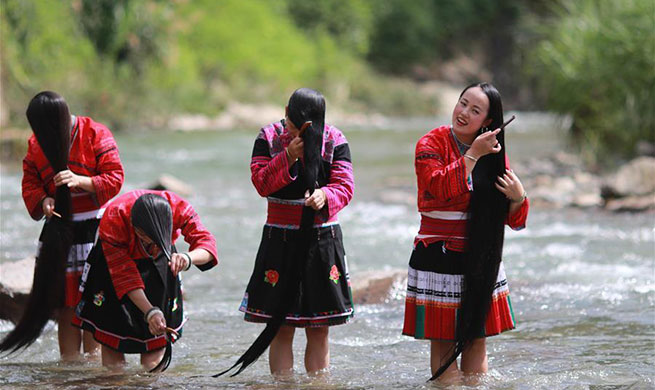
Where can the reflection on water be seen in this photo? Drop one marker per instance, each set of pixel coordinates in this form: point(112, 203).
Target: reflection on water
point(582, 282)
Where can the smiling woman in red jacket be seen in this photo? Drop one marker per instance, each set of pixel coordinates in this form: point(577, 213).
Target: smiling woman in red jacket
point(457, 292)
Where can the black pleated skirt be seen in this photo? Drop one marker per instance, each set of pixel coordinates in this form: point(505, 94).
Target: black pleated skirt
point(323, 298)
point(119, 324)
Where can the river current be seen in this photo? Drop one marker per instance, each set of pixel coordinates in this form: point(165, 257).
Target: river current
point(582, 282)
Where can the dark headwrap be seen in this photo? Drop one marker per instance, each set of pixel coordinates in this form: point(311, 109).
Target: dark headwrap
point(50, 120)
point(486, 231)
point(304, 105)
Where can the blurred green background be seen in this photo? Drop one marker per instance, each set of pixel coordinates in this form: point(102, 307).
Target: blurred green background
point(137, 63)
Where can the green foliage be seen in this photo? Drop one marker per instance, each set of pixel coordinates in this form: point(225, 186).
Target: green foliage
point(130, 62)
point(126, 31)
point(422, 32)
point(47, 46)
point(41, 49)
point(597, 63)
point(348, 22)
point(404, 35)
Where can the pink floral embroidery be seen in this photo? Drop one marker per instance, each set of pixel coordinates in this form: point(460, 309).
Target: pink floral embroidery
point(271, 276)
point(334, 274)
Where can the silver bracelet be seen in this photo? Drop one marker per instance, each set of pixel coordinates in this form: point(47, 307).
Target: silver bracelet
point(471, 157)
point(151, 312)
point(521, 199)
point(188, 256)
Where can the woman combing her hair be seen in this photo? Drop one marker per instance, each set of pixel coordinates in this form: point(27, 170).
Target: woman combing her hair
point(71, 170)
point(131, 299)
point(457, 292)
point(300, 279)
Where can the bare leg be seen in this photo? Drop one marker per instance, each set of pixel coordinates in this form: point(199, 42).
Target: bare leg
point(440, 351)
point(149, 360)
point(70, 337)
point(474, 357)
point(317, 353)
point(280, 354)
point(112, 359)
point(91, 347)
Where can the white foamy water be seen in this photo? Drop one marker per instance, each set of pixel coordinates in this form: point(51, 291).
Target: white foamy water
point(582, 283)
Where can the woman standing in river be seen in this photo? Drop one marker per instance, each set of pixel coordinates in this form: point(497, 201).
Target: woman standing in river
point(457, 292)
point(71, 170)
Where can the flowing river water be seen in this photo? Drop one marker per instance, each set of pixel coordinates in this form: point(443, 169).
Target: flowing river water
point(582, 281)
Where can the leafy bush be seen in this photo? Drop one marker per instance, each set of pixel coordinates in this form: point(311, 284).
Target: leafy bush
point(597, 63)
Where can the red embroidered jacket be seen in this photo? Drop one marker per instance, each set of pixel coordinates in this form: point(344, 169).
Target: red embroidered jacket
point(93, 153)
point(122, 248)
point(444, 191)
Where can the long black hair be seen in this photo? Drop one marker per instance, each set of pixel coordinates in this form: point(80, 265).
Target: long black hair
point(152, 214)
point(485, 231)
point(50, 119)
point(304, 105)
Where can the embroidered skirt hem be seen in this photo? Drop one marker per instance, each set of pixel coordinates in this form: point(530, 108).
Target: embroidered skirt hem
point(84, 234)
point(119, 324)
point(323, 298)
point(434, 288)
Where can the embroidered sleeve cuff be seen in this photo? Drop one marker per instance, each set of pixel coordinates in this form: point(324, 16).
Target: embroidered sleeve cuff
point(280, 166)
point(100, 190)
point(331, 207)
point(462, 183)
point(518, 219)
point(212, 250)
point(37, 211)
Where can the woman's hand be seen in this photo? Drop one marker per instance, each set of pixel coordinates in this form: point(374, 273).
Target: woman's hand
point(510, 185)
point(72, 180)
point(157, 323)
point(178, 262)
point(48, 206)
point(67, 177)
point(484, 144)
point(316, 200)
point(295, 149)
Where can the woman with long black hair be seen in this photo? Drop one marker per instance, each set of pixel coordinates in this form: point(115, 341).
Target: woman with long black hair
point(132, 299)
point(457, 292)
point(71, 170)
point(300, 280)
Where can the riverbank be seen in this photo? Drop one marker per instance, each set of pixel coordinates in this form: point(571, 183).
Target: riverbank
point(552, 176)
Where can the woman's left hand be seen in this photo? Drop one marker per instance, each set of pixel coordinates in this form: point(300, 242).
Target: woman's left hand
point(510, 185)
point(67, 177)
point(157, 324)
point(178, 263)
point(316, 200)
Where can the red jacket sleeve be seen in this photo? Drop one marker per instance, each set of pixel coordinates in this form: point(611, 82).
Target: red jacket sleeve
point(341, 185)
point(115, 234)
point(124, 274)
point(195, 234)
point(444, 181)
point(110, 179)
point(519, 218)
point(32, 186)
